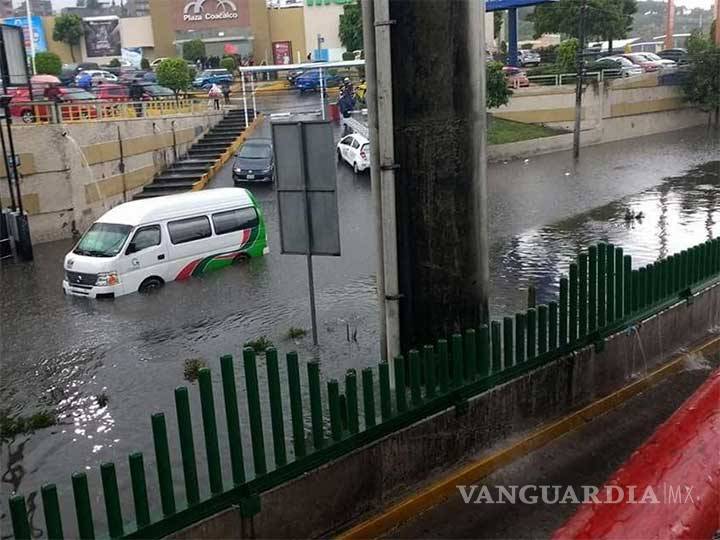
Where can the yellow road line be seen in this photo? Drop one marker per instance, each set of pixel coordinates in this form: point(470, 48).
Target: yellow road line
point(443, 488)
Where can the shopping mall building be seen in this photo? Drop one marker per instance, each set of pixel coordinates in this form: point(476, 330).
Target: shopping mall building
point(251, 28)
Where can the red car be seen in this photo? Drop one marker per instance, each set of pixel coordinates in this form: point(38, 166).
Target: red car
point(648, 66)
point(515, 77)
point(72, 104)
point(112, 92)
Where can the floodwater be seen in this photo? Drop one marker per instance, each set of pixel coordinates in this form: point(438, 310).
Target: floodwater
point(61, 353)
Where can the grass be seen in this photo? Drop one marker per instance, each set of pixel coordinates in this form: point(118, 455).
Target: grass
point(192, 368)
point(506, 131)
point(259, 345)
point(296, 333)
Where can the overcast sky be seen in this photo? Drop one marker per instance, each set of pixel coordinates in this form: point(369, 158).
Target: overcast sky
point(59, 4)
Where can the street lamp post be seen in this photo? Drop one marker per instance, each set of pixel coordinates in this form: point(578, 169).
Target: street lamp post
point(580, 63)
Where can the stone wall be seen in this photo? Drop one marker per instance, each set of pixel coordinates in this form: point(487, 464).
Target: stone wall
point(70, 173)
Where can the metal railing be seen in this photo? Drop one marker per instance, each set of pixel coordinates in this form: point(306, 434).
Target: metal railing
point(48, 112)
point(569, 78)
point(601, 295)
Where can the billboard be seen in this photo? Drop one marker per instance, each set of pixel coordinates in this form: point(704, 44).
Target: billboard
point(38, 33)
point(196, 14)
point(13, 67)
point(102, 36)
point(282, 52)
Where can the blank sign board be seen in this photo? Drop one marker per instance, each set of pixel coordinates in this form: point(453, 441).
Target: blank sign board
point(306, 182)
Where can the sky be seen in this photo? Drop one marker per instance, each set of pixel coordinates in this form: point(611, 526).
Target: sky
point(706, 4)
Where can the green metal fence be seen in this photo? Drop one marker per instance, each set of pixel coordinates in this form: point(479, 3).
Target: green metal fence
point(601, 295)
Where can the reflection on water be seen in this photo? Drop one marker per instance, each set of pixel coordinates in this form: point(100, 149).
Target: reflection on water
point(680, 212)
point(68, 354)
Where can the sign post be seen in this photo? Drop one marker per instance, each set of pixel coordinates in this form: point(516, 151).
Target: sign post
point(306, 191)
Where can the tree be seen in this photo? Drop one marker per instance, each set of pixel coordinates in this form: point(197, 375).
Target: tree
point(351, 30)
point(497, 24)
point(228, 62)
point(702, 84)
point(605, 19)
point(47, 63)
point(193, 49)
point(68, 29)
point(114, 63)
point(173, 73)
point(567, 55)
point(497, 91)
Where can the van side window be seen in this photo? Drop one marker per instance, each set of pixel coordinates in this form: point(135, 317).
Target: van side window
point(235, 220)
point(187, 230)
point(144, 238)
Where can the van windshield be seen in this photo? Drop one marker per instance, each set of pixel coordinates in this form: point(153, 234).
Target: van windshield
point(103, 240)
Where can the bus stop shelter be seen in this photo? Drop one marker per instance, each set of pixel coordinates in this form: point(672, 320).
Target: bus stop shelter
point(512, 6)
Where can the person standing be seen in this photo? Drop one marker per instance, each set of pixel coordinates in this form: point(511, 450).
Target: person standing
point(226, 93)
point(215, 94)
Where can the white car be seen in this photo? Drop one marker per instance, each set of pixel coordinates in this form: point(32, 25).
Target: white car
point(354, 149)
point(98, 76)
point(155, 63)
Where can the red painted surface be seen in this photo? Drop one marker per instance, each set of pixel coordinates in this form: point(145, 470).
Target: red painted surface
point(682, 455)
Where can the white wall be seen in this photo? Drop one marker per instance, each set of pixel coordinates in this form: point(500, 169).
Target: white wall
point(323, 20)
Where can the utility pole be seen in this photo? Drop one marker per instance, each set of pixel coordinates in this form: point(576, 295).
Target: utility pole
point(670, 25)
point(31, 35)
point(438, 72)
point(580, 64)
point(717, 22)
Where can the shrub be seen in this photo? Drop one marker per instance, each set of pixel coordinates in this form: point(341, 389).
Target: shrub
point(48, 63)
point(259, 345)
point(296, 333)
point(173, 73)
point(193, 49)
point(228, 63)
point(497, 91)
point(347, 55)
point(567, 55)
point(192, 367)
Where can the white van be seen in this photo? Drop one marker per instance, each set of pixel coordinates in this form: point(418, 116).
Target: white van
point(140, 245)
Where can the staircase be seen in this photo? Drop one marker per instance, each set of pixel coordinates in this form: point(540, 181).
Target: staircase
point(202, 156)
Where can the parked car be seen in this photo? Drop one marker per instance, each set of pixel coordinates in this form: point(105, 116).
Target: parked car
point(155, 63)
point(679, 56)
point(21, 107)
point(515, 77)
point(212, 76)
point(254, 162)
point(112, 92)
point(648, 66)
point(155, 91)
point(610, 64)
point(665, 63)
point(98, 76)
point(354, 149)
point(310, 80)
point(70, 71)
point(528, 58)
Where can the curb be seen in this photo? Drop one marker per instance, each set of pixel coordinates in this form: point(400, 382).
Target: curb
point(225, 156)
point(440, 490)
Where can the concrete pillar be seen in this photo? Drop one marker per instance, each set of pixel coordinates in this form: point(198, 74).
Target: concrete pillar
point(438, 152)
point(717, 22)
point(512, 37)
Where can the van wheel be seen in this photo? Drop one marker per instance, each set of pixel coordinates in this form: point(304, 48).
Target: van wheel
point(150, 285)
point(28, 117)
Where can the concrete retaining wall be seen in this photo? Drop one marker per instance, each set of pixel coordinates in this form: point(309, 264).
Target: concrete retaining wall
point(71, 172)
point(367, 480)
point(612, 110)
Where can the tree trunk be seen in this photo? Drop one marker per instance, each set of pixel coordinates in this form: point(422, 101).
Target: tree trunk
point(72, 53)
point(440, 272)
point(610, 45)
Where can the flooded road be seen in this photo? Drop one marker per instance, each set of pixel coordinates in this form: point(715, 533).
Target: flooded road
point(61, 353)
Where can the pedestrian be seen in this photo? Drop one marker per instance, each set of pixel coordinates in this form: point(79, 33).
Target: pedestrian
point(136, 95)
point(226, 93)
point(215, 94)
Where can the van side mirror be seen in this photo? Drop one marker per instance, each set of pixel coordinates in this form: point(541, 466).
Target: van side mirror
point(132, 248)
